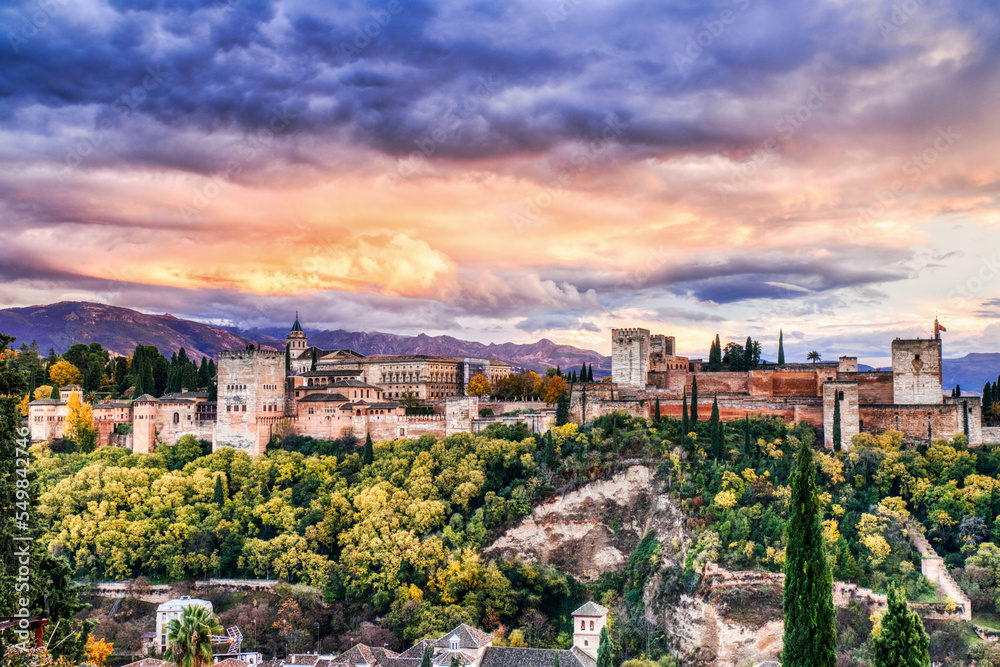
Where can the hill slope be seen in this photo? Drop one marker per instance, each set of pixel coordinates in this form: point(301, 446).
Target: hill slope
point(971, 371)
point(119, 330)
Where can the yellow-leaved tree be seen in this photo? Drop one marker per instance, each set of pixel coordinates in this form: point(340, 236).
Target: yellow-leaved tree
point(45, 391)
point(64, 373)
point(98, 651)
point(478, 386)
point(79, 417)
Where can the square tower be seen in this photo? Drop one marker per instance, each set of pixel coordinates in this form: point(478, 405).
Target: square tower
point(630, 357)
point(251, 394)
point(588, 621)
point(850, 418)
point(916, 372)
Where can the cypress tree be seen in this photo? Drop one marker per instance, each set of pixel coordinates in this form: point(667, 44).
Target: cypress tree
point(312, 363)
point(781, 346)
point(657, 415)
point(685, 426)
point(288, 357)
point(31, 385)
point(718, 450)
point(694, 401)
point(550, 451)
point(715, 355)
point(426, 660)
point(572, 377)
point(590, 373)
point(55, 393)
point(369, 453)
point(748, 355)
point(555, 662)
point(987, 399)
point(219, 495)
point(837, 439)
point(810, 636)
point(562, 410)
point(958, 390)
point(583, 372)
point(604, 649)
point(902, 642)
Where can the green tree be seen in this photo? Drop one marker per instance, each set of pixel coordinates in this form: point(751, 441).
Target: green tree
point(369, 452)
point(656, 414)
point(562, 409)
point(55, 393)
point(426, 660)
point(590, 373)
point(583, 372)
point(814, 356)
point(454, 661)
point(718, 448)
point(550, 451)
point(219, 494)
point(604, 650)
point(189, 642)
point(312, 362)
point(694, 401)
point(555, 661)
point(685, 424)
point(715, 355)
point(781, 346)
point(288, 357)
point(810, 636)
point(837, 444)
point(902, 640)
point(748, 355)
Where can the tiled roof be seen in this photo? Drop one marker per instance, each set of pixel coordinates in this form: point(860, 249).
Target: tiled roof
point(302, 659)
point(357, 384)
point(47, 401)
point(417, 650)
point(145, 398)
point(339, 371)
point(591, 609)
point(187, 394)
point(509, 656)
point(468, 637)
point(445, 658)
point(148, 662)
point(384, 406)
point(356, 655)
point(323, 398)
point(232, 662)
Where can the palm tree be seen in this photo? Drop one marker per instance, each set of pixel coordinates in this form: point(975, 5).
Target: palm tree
point(189, 642)
point(814, 356)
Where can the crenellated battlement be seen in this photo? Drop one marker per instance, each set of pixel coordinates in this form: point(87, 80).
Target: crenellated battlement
point(249, 354)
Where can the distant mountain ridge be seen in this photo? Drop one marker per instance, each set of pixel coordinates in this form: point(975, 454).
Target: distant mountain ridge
point(60, 325)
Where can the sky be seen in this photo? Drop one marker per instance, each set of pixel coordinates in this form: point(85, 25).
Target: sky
point(512, 170)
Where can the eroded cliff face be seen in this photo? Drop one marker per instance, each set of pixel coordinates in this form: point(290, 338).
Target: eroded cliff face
point(594, 529)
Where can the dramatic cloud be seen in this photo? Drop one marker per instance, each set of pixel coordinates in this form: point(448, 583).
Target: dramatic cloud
point(508, 169)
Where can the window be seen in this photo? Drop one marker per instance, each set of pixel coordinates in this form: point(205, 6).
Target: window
point(586, 643)
point(916, 357)
point(592, 626)
point(244, 408)
point(453, 643)
point(840, 395)
point(583, 625)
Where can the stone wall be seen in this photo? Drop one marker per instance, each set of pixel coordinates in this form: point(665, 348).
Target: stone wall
point(874, 387)
point(970, 416)
point(932, 567)
point(991, 435)
point(916, 371)
point(918, 422)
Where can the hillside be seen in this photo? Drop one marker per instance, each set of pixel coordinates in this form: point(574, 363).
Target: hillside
point(971, 372)
point(60, 325)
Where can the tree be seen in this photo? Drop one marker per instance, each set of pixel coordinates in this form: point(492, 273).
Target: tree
point(837, 444)
point(748, 355)
point(219, 494)
point(715, 355)
point(718, 448)
point(656, 414)
point(555, 661)
point(98, 651)
point(562, 409)
point(312, 362)
point(958, 391)
point(685, 425)
point(604, 649)
point(369, 452)
point(188, 638)
point(810, 636)
point(55, 393)
point(694, 401)
point(454, 661)
point(550, 451)
point(590, 375)
point(409, 399)
point(426, 660)
point(552, 388)
point(64, 373)
point(79, 416)
point(478, 385)
point(583, 372)
point(781, 346)
point(902, 640)
point(288, 357)
point(814, 356)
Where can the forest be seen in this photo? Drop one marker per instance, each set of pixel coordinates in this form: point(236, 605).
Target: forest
point(390, 531)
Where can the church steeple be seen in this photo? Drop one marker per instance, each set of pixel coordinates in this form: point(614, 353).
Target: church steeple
point(296, 338)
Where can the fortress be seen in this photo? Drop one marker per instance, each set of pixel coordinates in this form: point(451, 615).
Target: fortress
point(909, 398)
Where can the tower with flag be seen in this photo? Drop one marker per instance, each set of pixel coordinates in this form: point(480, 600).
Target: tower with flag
point(938, 329)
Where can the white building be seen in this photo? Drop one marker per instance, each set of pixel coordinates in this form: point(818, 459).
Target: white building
point(170, 610)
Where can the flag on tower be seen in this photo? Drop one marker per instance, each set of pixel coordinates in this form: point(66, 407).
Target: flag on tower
point(941, 328)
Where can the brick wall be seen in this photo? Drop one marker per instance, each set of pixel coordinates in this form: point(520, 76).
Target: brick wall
point(912, 420)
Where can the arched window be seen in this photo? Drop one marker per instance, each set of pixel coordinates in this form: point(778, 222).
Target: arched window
point(583, 625)
point(177, 418)
point(591, 625)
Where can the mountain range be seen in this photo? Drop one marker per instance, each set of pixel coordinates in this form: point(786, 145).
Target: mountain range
point(60, 325)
